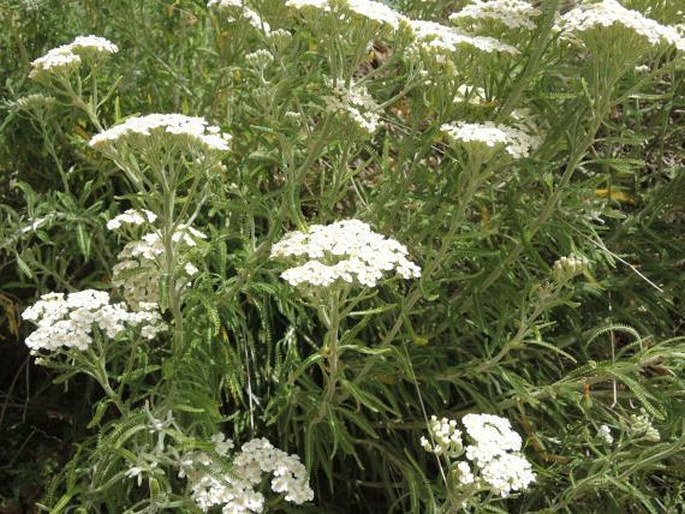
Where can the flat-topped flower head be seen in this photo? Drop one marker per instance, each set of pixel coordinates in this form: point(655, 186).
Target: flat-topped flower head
point(65, 58)
point(491, 435)
point(235, 491)
point(68, 320)
point(445, 437)
point(347, 251)
point(435, 37)
point(237, 11)
point(511, 13)
point(131, 217)
point(376, 11)
point(137, 272)
point(356, 103)
point(507, 473)
point(607, 13)
point(516, 142)
point(492, 461)
point(370, 10)
point(175, 127)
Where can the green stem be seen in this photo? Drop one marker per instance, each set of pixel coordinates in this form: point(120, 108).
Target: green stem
point(533, 64)
point(99, 372)
point(474, 179)
point(331, 371)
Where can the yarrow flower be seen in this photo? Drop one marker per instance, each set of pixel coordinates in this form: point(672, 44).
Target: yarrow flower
point(68, 320)
point(131, 217)
point(235, 491)
point(369, 9)
point(195, 129)
point(512, 13)
point(491, 435)
point(604, 434)
point(641, 426)
point(347, 251)
point(565, 268)
point(68, 57)
point(356, 102)
point(37, 102)
point(517, 143)
point(607, 13)
point(435, 37)
point(493, 457)
point(137, 271)
point(242, 11)
point(260, 58)
point(445, 437)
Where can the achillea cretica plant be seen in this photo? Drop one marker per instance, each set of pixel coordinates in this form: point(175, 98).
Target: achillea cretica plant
point(347, 251)
point(67, 57)
point(493, 459)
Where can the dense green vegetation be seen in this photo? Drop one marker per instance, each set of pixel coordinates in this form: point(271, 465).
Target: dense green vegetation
point(552, 277)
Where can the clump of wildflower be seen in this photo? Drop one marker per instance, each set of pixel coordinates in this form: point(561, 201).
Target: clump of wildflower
point(66, 58)
point(516, 142)
point(607, 13)
point(68, 320)
point(347, 251)
point(371, 10)
point(512, 13)
point(604, 434)
point(492, 436)
point(131, 217)
point(235, 491)
point(36, 102)
point(438, 38)
point(259, 59)
point(137, 272)
point(356, 103)
point(493, 458)
point(241, 11)
point(445, 437)
point(641, 426)
point(565, 268)
point(193, 129)
point(309, 4)
point(376, 11)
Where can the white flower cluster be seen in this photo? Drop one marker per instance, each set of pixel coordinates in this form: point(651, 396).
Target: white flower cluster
point(445, 437)
point(68, 320)
point(260, 58)
point(641, 426)
point(495, 451)
point(67, 57)
point(512, 13)
point(236, 491)
point(606, 13)
point(356, 103)
point(435, 37)
point(208, 136)
point(35, 102)
point(137, 271)
point(494, 454)
point(376, 11)
point(369, 9)
point(517, 143)
point(347, 250)
point(305, 4)
point(243, 11)
point(131, 217)
point(565, 268)
point(604, 434)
